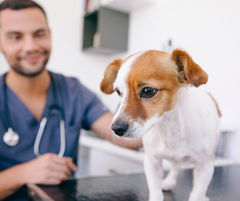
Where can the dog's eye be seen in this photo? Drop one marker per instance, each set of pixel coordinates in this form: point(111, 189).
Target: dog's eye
point(148, 92)
point(117, 90)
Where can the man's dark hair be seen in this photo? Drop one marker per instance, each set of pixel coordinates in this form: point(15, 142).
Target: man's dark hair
point(20, 4)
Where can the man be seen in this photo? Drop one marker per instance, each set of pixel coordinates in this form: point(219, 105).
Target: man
point(30, 91)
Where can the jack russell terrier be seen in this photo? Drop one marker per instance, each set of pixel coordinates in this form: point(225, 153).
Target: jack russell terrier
point(177, 122)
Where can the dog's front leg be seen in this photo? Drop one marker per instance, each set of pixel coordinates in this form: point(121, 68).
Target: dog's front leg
point(154, 173)
point(171, 179)
point(202, 175)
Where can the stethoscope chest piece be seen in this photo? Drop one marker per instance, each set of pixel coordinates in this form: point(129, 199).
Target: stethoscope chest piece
point(11, 138)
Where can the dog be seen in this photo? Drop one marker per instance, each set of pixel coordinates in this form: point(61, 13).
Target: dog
point(177, 121)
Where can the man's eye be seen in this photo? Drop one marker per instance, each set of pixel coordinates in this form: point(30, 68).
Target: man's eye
point(40, 35)
point(15, 38)
point(148, 92)
point(119, 93)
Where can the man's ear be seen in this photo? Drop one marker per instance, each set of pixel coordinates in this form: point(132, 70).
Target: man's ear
point(50, 33)
point(188, 71)
point(110, 75)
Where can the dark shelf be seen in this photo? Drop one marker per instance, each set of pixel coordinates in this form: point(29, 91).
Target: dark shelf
point(105, 31)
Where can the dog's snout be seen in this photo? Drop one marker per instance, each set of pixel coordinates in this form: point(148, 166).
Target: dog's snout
point(120, 129)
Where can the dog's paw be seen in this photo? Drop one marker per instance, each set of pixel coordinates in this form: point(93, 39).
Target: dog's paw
point(155, 200)
point(193, 198)
point(206, 199)
point(168, 184)
point(156, 197)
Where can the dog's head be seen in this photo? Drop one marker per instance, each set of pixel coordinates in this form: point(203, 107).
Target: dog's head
point(148, 83)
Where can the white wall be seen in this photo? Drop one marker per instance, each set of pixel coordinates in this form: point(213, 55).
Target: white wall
point(208, 29)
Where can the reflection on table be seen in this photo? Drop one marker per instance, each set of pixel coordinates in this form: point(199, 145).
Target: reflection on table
point(133, 187)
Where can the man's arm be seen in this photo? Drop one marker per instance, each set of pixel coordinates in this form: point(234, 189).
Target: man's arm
point(47, 169)
point(102, 127)
point(10, 181)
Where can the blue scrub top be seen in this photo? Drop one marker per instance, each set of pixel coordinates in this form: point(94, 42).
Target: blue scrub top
point(80, 106)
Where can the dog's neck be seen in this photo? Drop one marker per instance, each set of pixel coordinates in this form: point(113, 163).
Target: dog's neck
point(181, 105)
point(171, 121)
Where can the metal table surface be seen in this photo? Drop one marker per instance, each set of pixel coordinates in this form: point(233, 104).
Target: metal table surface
point(225, 186)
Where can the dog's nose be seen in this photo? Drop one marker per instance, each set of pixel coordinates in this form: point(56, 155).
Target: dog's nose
point(120, 129)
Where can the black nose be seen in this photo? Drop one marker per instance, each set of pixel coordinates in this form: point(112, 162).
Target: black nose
point(120, 129)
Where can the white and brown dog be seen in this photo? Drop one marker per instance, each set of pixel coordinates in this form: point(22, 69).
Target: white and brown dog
point(177, 122)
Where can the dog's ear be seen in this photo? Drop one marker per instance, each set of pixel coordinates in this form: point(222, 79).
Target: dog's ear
point(110, 75)
point(188, 71)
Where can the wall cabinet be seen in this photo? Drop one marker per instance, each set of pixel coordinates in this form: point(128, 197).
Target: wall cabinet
point(106, 31)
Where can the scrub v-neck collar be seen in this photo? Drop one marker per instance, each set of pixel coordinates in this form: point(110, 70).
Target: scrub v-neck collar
point(15, 103)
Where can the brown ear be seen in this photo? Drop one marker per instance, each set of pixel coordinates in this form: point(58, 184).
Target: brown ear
point(110, 75)
point(188, 71)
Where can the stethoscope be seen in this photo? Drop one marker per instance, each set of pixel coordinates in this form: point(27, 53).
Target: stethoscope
point(11, 138)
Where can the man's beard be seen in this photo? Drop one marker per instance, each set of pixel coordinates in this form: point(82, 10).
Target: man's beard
point(20, 69)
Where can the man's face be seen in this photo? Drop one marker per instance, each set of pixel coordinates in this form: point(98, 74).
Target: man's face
point(25, 40)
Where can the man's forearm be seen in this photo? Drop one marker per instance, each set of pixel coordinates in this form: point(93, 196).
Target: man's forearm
point(102, 127)
point(125, 142)
point(10, 181)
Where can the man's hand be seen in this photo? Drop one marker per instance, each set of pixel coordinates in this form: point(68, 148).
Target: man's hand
point(48, 169)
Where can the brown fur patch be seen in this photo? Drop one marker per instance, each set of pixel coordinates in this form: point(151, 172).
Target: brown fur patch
point(189, 71)
point(110, 75)
point(152, 69)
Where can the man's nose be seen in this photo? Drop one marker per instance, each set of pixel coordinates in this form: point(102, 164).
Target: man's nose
point(29, 44)
point(120, 129)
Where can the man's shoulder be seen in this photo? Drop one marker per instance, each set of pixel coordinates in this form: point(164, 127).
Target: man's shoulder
point(66, 82)
point(72, 86)
point(63, 78)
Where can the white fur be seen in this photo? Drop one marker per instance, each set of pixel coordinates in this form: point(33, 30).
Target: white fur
point(185, 135)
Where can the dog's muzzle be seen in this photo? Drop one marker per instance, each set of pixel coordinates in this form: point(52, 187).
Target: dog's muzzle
point(120, 129)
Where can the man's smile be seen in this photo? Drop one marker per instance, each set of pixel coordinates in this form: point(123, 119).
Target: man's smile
point(32, 59)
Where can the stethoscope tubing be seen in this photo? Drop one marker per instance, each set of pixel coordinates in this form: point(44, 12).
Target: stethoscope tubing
point(43, 122)
point(6, 110)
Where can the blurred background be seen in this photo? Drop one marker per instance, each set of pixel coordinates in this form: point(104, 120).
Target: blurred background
point(209, 30)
